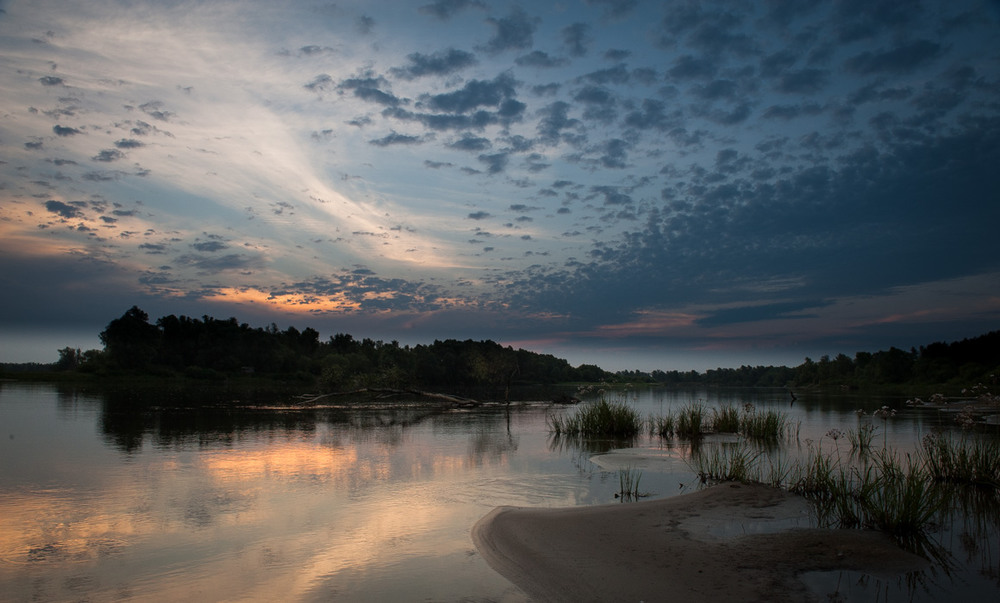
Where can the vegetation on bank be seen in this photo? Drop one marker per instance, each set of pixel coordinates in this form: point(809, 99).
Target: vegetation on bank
point(207, 348)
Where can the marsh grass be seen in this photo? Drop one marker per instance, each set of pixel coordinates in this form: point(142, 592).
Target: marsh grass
point(599, 419)
point(861, 438)
point(662, 425)
point(764, 426)
point(730, 463)
point(691, 421)
point(962, 461)
point(726, 419)
point(628, 483)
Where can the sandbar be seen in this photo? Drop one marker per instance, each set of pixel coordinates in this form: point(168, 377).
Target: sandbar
point(674, 549)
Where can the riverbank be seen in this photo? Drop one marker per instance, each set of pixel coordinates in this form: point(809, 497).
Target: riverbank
point(731, 542)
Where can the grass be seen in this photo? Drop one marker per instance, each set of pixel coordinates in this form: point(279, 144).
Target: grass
point(962, 461)
point(691, 421)
point(764, 426)
point(599, 419)
point(726, 419)
point(628, 484)
point(861, 438)
point(694, 420)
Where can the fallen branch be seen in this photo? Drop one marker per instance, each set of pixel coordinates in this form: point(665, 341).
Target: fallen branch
point(384, 392)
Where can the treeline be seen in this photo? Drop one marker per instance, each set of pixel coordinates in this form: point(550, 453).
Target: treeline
point(970, 361)
point(212, 348)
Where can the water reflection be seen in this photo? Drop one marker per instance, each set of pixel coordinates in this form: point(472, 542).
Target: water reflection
point(166, 495)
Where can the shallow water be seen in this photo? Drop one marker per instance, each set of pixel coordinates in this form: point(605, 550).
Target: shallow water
point(189, 500)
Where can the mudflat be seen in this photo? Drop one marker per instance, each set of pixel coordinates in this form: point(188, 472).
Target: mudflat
point(729, 542)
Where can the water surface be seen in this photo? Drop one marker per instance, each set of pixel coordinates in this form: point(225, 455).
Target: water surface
point(134, 496)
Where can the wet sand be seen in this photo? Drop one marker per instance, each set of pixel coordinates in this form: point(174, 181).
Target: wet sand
point(730, 542)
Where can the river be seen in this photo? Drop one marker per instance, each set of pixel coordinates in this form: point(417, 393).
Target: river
point(123, 497)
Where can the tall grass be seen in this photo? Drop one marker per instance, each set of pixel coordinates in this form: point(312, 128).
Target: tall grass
point(662, 425)
point(962, 461)
point(599, 419)
point(691, 421)
point(764, 426)
point(726, 419)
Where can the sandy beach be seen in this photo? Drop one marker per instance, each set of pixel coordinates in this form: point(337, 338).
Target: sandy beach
point(730, 542)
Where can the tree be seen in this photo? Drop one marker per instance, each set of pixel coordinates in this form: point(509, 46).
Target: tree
point(131, 341)
point(69, 359)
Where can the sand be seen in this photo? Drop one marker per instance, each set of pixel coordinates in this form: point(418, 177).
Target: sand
point(730, 542)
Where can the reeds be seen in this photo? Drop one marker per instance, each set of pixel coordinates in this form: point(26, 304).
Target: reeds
point(764, 426)
point(975, 462)
point(599, 419)
point(628, 483)
point(726, 419)
point(691, 421)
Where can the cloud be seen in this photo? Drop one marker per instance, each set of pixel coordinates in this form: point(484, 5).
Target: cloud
point(902, 59)
point(537, 58)
point(513, 32)
point(51, 80)
point(475, 94)
point(394, 138)
point(495, 162)
point(63, 209)
point(471, 143)
point(108, 155)
point(615, 9)
point(576, 38)
point(439, 63)
point(446, 9)
point(65, 131)
point(479, 215)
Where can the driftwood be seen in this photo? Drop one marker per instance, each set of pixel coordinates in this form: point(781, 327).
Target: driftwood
point(383, 392)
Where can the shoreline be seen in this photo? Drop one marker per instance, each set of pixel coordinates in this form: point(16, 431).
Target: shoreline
point(729, 542)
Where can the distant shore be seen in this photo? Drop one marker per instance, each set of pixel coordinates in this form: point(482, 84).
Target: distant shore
point(726, 543)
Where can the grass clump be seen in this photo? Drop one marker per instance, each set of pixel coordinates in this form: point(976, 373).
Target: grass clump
point(764, 426)
point(861, 438)
point(975, 463)
point(733, 463)
point(691, 421)
point(726, 419)
point(599, 419)
point(663, 425)
point(628, 484)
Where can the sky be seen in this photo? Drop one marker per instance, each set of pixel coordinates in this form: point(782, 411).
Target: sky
point(637, 185)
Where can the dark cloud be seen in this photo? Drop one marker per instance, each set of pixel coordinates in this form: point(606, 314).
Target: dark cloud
point(537, 58)
point(444, 62)
point(321, 82)
point(652, 115)
point(691, 67)
point(619, 74)
point(615, 8)
point(365, 25)
point(446, 9)
point(51, 80)
point(471, 143)
point(108, 155)
point(395, 138)
point(555, 121)
point(901, 59)
point(700, 26)
point(155, 110)
point(576, 38)
point(129, 143)
point(479, 215)
point(513, 32)
point(209, 246)
point(475, 94)
point(65, 131)
point(803, 81)
point(617, 55)
point(64, 210)
point(495, 162)
point(233, 261)
point(860, 19)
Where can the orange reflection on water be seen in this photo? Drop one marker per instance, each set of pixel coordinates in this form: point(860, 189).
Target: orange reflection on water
point(290, 460)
